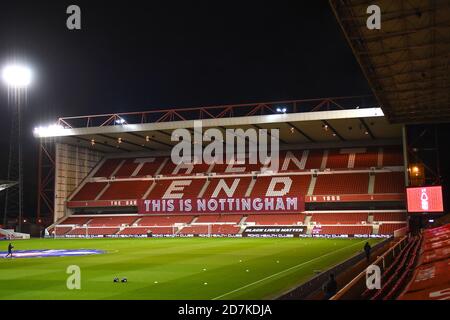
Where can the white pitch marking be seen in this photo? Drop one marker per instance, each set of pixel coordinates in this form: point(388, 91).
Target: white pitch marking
point(282, 271)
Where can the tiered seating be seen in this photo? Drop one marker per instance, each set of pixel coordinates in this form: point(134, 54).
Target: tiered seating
point(276, 219)
point(340, 230)
point(219, 218)
point(389, 216)
point(195, 229)
point(190, 190)
point(185, 182)
point(224, 229)
point(170, 167)
point(339, 218)
point(127, 168)
point(389, 228)
point(430, 278)
point(60, 231)
point(314, 159)
point(336, 159)
point(299, 186)
point(108, 168)
point(89, 191)
point(241, 189)
point(111, 221)
point(392, 156)
point(125, 190)
point(164, 220)
point(367, 159)
point(146, 230)
point(93, 231)
point(150, 167)
point(394, 277)
point(211, 229)
point(77, 232)
point(392, 182)
point(330, 184)
point(76, 220)
point(326, 184)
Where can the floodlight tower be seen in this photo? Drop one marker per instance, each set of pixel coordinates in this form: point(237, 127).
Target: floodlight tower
point(17, 77)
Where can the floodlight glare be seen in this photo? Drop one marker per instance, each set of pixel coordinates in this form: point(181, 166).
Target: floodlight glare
point(48, 131)
point(17, 76)
point(120, 121)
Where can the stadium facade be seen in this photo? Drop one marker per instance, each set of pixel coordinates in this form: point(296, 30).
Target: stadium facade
point(341, 162)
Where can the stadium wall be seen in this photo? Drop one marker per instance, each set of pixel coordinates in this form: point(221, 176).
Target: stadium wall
point(72, 165)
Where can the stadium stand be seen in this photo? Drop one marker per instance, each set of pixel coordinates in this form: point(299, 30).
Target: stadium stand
point(389, 216)
point(366, 159)
point(166, 220)
point(89, 191)
point(345, 230)
point(430, 277)
point(347, 183)
point(76, 220)
point(389, 228)
point(276, 219)
point(392, 182)
point(92, 231)
point(394, 276)
point(111, 221)
point(146, 230)
point(218, 218)
point(315, 172)
point(339, 218)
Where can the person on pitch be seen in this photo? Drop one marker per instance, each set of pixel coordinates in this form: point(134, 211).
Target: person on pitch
point(10, 248)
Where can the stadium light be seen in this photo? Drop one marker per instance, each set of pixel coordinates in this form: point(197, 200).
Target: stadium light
point(17, 76)
point(120, 121)
point(48, 131)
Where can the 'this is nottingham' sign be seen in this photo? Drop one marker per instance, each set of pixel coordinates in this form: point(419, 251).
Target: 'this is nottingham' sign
point(222, 205)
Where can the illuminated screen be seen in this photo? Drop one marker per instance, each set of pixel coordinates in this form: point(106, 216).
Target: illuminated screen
point(424, 199)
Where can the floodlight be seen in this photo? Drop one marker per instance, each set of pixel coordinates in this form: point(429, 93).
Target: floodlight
point(48, 131)
point(17, 76)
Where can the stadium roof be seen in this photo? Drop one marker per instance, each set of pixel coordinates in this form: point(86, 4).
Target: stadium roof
point(407, 61)
point(325, 121)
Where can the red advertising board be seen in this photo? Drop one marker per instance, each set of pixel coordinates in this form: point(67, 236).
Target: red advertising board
point(424, 199)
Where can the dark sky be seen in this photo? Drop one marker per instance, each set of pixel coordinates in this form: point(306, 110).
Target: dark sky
point(130, 56)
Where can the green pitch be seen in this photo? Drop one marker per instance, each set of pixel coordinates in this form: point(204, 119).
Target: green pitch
point(195, 268)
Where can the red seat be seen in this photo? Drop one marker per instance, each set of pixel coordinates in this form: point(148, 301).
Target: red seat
point(89, 191)
point(341, 230)
point(339, 218)
point(389, 228)
point(390, 182)
point(276, 219)
point(111, 221)
point(389, 216)
point(337, 184)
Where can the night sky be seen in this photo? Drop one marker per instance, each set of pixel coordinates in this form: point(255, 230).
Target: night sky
point(130, 56)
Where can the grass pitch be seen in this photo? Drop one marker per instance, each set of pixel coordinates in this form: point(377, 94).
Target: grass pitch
point(182, 268)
